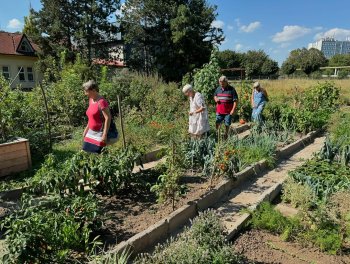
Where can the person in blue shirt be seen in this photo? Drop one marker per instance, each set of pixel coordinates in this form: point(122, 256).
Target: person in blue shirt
point(258, 101)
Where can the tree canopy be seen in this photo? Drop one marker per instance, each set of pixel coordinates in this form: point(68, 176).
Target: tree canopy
point(74, 25)
point(255, 62)
point(308, 60)
point(172, 37)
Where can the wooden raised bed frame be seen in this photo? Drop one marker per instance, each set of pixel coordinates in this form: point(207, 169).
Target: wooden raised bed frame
point(14, 157)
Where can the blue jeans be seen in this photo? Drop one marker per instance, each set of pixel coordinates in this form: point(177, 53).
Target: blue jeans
point(256, 114)
point(224, 118)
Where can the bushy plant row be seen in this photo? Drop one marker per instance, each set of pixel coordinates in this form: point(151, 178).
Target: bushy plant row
point(320, 189)
point(51, 229)
point(203, 243)
point(106, 173)
point(306, 111)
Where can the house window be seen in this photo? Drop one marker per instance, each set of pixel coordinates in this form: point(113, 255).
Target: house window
point(30, 74)
point(6, 72)
point(21, 74)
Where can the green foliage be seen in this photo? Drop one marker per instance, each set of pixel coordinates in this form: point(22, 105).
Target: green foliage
point(197, 151)
point(308, 60)
point(258, 63)
point(203, 243)
point(323, 177)
point(206, 79)
point(244, 103)
point(168, 185)
point(51, 230)
point(113, 258)
point(326, 236)
point(339, 60)
point(183, 30)
point(266, 217)
point(309, 111)
point(298, 195)
point(230, 59)
point(109, 172)
point(78, 22)
point(327, 239)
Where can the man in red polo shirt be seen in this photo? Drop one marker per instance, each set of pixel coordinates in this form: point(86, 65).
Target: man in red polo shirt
point(226, 102)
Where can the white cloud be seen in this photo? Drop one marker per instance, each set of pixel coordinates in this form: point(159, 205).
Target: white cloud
point(250, 27)
point(337, 33)
point(14, 24)
point(229, 27)
point(218, 24)
point(290, 33)
point(284, 45)
point(238, 46)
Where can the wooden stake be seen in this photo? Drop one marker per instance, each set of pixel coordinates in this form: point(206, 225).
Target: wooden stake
point(47, 115)
point(121, 121)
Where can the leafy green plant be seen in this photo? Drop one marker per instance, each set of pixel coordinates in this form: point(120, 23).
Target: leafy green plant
point(266, 217)
point(203, 243)
point(298, 195)
point(244, 103)
point(206, 79)
point(168, 185)
point(108, 173)
point(113, 258)
point(323, 177)
point(51, 230)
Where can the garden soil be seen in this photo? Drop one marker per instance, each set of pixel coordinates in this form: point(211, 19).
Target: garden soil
point(131, 213)
point(263, 247)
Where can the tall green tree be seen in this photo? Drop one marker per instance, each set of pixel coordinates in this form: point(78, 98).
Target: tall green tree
point(30, 27)
point(230, 59)
point(257, 62)
point(172, 36)
point(75, 25)
point(340, 60)
point(306, 60)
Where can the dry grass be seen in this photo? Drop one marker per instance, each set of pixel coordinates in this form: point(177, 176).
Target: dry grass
point(279, 88)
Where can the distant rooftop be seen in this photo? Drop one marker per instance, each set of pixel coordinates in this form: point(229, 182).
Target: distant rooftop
point(17, 44)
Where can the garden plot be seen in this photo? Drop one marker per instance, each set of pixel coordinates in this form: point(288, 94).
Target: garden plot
point(312, 224)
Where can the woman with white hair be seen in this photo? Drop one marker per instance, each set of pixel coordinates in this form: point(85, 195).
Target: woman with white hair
point(198, 114)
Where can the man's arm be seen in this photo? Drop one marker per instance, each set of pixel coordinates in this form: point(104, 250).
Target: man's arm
point(233, 108)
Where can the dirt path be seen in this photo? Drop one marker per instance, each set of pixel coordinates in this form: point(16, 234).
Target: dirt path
point(263, 247)
point(250, 192)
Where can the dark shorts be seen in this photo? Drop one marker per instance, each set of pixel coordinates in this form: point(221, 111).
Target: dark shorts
point(227, 119)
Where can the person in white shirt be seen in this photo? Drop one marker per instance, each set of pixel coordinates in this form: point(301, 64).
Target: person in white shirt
point(198, 114)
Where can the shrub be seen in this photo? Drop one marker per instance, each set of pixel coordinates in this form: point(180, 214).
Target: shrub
point(203, 243)
point(299, 195)
point(51, 230)
point(109, 172)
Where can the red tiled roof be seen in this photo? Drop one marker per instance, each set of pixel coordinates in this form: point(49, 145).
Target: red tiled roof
point(9, 43)
point(115, 63)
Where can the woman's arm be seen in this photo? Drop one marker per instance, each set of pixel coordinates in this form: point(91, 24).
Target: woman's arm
point(108, 118)
point(252, 99)
point(86, 129)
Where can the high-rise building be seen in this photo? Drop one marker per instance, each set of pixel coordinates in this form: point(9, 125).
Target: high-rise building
point(331, 47)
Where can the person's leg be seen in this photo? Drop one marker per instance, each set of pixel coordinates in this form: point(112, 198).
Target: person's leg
point(228, 121)
point(219, 120)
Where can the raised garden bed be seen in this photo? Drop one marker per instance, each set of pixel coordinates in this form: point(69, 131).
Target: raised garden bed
point(14, 157)
point(159, 223)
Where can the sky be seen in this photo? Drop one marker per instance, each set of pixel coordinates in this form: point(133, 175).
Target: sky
point(275, 26)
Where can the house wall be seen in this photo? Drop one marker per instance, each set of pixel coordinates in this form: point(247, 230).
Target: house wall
point(15, 61)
